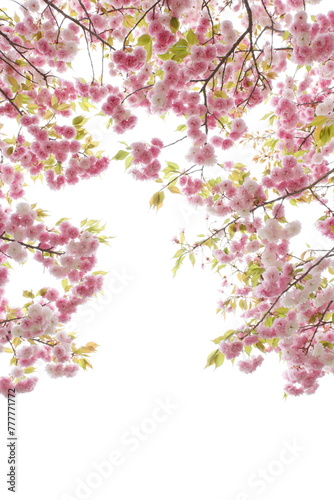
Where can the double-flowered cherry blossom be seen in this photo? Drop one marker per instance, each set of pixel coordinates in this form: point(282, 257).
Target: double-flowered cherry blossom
point(212, 68)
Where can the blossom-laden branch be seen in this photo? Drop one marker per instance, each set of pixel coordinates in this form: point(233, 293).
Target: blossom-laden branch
point(181, 59)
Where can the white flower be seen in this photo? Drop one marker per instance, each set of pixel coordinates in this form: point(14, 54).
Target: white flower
point(35, 310)
point(272, 231)
point(71, 47)
point(288, 94)
point(325, 108)
point(292, 229)
point(302, 39)
point(291, 328)
point(17, 331)
point(47, 312)
point(32, 5)
point(289, 299)
point(251, 186)
point(16, 251)
point(317, 158)
point(23, 208)
point(158, 100)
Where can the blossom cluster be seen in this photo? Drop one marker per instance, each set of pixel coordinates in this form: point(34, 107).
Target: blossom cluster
point(31, 333)
point(190, 60)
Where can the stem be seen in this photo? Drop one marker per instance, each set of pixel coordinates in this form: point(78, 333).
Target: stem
point(320, 321)
point(14, 351)
point(48, 250)
point(294, 192)
point(293, 283)
point(75, 21)
point(135, 26)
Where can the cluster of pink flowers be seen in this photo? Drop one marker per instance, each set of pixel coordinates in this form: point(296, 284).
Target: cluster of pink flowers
point(191, 187)
point(326, 227)
point(241, 199)
point(162, 37)
point(147, 156)
point(290, 177)
point(124, 120)
point(130, 62)
point(250, 365)
point(67, 253)
point(286, 109)
point(23, 385)
point(56, 370)
point(231, 349)
point(31, 156)
point(189, 59)
point(312, 42)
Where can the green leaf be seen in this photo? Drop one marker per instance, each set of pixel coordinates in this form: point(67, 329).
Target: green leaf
point(166, 56)
point(178, 253)
point(220, 358)
point(218, 339)
point(282, 311)
point(211, 358)
point(318, 120)
point(248, 349)
point(192, 258)
point(54, 101)
point(85, 105)
point(174, 189)
point(157, 200)
point(297, 154)
point(148, 48)
point(78, 120)
point(267, 115)
point(173, 165)
point(174, 24)
point(228, 334)
point(179, 50)
point(177, 265)
point(83, 363)
point(14, 83)
point(325, 135)
point(128, 161)
point(181, 128)
point(143, 40)
point(260, 346)
point(121, 155)
point(61, 220)
point(191, 37)
point(31, 369)
point(64, 283)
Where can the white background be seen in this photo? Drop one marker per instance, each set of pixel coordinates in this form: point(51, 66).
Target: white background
point(228, 436)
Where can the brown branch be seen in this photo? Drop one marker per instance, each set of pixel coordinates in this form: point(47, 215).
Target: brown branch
point(14, 351)
point(172, 143)
point(47, 250)
point(15, 47)
point(42, 342)
point(135, 26)
point(5, 321)
point(11, 102)
point(81, 25)
point(141, 88)
point(317, 327)
point(293, 283)
point(294, 192)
